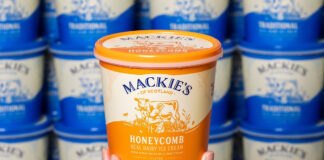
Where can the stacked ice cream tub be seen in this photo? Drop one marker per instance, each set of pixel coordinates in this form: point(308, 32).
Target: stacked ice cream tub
point(74, 89)
point(283, 70)
point(208, 17)
point(24, 128)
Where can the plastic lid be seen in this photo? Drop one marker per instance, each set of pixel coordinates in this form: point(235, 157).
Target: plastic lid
point(23, 49)
point(25, 131)
point(281, 133)
point(158, 49)
point(73, 50)
point(293, 50)
point(69, 132)
point(225, 130)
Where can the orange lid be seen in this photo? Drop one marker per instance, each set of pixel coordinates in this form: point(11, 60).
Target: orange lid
point(158, 49)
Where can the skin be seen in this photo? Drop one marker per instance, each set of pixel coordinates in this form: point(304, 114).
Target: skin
point(209, 155)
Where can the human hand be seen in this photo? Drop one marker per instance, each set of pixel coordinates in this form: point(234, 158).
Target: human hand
point(209, 155)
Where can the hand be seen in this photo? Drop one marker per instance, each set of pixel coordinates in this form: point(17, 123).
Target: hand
point(209, 155)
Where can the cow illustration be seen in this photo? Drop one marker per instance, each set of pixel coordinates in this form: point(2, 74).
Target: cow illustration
point(11, 91)
point(89, 9)
point(284, 91)
point(282, 9)
point(92, 89)
point(161, 116)
point(192, 10)
point(9, 10)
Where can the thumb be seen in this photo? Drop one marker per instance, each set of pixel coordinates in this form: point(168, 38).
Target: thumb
point(209, 155)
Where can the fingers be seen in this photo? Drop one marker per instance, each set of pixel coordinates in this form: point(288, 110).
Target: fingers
point(105, 154)
point(113, 157)
point(209, 155)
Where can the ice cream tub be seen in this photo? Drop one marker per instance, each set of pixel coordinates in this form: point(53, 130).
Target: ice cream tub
point(237, 109)
point(21, 82)
point(84, 145)
point(221, 140)
point(222, 85)
point(157, 88)
point(19, 21)
point(236, 19)
point(282, 21)
point(142, 9)
point(50, 20)
point(84, 22)
point(25, 142)
point(286, 144)
point(202, 16)
point(80, 96)
point(283, 85)
point(51, 89)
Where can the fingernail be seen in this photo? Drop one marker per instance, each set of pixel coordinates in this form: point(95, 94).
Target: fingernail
point(113, 157)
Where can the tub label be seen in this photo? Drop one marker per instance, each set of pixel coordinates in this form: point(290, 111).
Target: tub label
point(20, 89)
point(34, 149)
point(53, 101)
point(157, 115)
point(222, 150)
point(282, 88)
point(80, 91)
point(256, 150)
point(17, 19)
point(93, 19)
point(81, 151)
point(199, 16)
point(282, 20)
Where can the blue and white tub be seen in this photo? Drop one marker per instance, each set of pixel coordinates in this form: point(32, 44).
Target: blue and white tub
point(84, 22)
point(80, 86)
point(222, 85)
point(19, 21)
point(21, 82)
point(50, 20)
point(283, 85)
point(27, 142)
point(236, 19)
point(80, 145)
point(221, 140)
point(282, 21)
point(202, 16)
point(142, 9)
point(292, 144)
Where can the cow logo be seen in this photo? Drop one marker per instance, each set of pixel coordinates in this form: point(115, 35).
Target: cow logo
point(11, 91)
point(161, 116)
point(284, 91)
point(10, 11)
point(92, 89)
point(282, 9)
point(90, 10)
point(193, 10)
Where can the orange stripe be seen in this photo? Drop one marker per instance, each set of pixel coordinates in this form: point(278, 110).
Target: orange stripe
point(137, 71)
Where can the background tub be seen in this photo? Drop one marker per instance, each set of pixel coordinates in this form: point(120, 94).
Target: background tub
point(19, 21)
point(50, 20)
point(80, 88)
point(222, 84)
point(282, 22)
point(51, 89)
point(221, 140)
point(296, 144)
point(28, 142)
point(84, 22)
point(237, 109)
point(202, 16)
point(142, 8)
point(236, 19)
point(85, 145)
point(283, 85)
point(21, 82)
